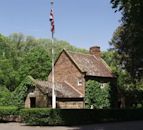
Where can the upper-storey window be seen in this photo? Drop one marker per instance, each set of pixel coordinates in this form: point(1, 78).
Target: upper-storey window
point(80, 82)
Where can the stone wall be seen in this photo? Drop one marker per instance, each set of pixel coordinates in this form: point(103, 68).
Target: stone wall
point(11, 118)
point(41, 99)
point(70, 103)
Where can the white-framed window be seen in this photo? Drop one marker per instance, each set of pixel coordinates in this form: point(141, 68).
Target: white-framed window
point(79, 82)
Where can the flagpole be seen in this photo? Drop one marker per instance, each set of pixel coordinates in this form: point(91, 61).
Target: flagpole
point(53, 54)
point(53, 77)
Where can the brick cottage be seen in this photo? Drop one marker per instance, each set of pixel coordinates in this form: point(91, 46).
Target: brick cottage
point(72, 70)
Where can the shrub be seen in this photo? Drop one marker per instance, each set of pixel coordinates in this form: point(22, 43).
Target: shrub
point(41, 116)
point(5, 96)
point(35, 116)
point(7, 112)
point(44, 116)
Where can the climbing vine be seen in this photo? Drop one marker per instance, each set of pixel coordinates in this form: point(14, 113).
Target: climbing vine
point(97, 95)
point(21, 92)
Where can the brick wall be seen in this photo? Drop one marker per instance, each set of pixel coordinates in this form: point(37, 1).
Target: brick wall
point(65, 70)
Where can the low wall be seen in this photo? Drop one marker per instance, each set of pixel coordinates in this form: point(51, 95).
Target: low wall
point(11, 118)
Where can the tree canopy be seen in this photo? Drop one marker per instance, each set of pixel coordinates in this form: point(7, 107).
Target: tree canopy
point(127, 39)
point(22, 55)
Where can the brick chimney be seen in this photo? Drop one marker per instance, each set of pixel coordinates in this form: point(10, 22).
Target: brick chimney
point(95, 50)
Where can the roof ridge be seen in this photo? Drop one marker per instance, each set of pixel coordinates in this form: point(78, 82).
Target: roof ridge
point(74, 88)
point(79, 53)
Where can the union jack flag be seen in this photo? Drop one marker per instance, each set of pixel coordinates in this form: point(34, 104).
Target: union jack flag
point(52, 21)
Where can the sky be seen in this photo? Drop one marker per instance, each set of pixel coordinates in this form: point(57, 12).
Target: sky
point(82, 23)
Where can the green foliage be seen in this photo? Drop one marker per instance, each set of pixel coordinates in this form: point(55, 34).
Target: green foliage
point(7, 112)
point(127, 40)
point(5, 97)
point(22, 55)
point(126, 88)
point(36, 63)
point(17, 97)
point(112, 59)
point(43, 116)
point(137, 98)
point(11, 110)
point(97, 96)
point(8, 75)
point(35, 116)
point(21, 92)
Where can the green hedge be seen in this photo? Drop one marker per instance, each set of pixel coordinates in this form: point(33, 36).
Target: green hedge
point(45, 116)
point(41, 116)
point(11, 110)
point(8, 112)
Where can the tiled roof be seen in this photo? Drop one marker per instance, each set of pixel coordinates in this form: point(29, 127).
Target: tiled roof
point(63, 90)
point(90, 64)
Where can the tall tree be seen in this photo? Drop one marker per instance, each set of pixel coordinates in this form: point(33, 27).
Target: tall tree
point(8, 73)
point(36, 63)
point(22, 55)
point(128, 38)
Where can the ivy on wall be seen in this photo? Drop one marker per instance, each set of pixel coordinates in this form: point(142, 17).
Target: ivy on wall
point(21, 91)
point(97, 95)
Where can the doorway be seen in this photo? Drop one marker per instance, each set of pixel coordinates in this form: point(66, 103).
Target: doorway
point(32, 102)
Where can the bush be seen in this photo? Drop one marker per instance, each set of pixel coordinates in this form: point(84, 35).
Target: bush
point(5, 97)
point(44, 116)
point(97, 94)
point(7, 113)
point(5, 110)
point(39, 116)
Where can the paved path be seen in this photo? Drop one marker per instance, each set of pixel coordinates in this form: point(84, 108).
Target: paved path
point(134, 125)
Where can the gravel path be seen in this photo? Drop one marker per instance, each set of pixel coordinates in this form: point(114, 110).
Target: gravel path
point(133, 125)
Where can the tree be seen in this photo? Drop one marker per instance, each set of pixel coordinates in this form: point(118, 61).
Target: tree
point(22, 55)
point(17, 39)
point(36, 63)
point(8, 75)
point(128, 38)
